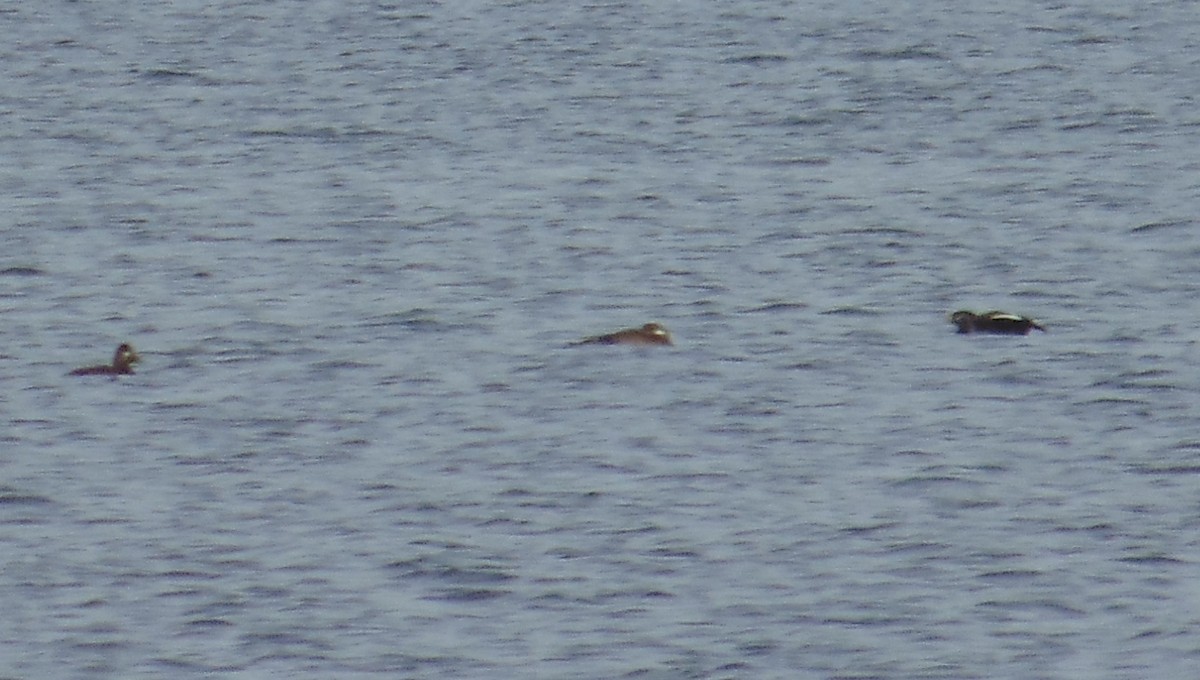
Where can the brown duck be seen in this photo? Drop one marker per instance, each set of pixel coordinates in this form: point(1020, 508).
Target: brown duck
point(993, 322)
point(650, 334)
point(122, 364)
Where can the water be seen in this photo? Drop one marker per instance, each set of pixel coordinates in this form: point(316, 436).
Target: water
point(352, 244)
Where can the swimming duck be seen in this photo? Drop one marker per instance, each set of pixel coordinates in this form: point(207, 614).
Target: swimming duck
point(650, 334)
point(122, 364)
point(993, 322)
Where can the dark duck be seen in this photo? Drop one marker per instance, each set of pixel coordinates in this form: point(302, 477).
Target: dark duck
point(993, 322)
point(649, 334)
point(122, 364)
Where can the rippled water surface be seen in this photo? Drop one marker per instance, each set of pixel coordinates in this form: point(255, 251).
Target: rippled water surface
point(353, 243)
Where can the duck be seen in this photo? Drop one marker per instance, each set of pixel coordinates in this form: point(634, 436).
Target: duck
point(649, 334)
point(122, 364)
point(993, 322)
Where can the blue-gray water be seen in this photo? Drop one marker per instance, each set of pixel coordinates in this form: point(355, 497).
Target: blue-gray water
point(352, 240)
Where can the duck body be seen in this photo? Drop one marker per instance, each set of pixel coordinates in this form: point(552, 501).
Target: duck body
point(122, 364)
point(649, 334)
point(993, 322)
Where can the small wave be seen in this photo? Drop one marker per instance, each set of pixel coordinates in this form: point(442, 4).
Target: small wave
point(902, 53)
point(22, 271)
point(1159, 226)
point(777, 307)
point(757, 59)
point(7, 498)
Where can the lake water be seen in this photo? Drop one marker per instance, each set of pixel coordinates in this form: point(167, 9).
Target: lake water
point(352, 242)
